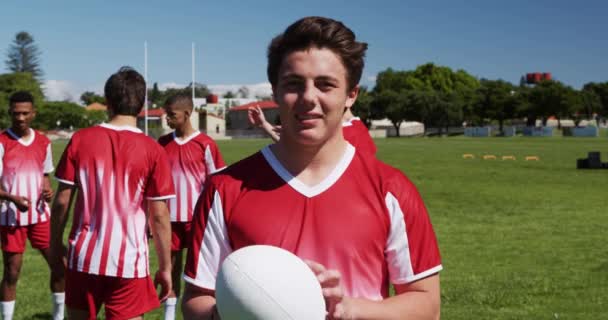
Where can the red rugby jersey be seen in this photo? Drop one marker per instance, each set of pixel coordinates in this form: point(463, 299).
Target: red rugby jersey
point(22, 168)
point(366, 219)
point(191, 161)
point(115, 170)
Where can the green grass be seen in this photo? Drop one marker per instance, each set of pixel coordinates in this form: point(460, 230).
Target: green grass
point(519, 239)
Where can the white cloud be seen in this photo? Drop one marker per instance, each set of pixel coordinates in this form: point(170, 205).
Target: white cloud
point(257, 89)
point(171, 85)
point(59, 90)
point(63, 90)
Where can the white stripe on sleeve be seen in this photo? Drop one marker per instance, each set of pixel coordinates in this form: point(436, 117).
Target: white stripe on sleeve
point(48, 161)
point(214, 248)
point(209, 161)
point(397, 246)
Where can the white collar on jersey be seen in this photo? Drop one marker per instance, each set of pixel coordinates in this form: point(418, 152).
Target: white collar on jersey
point(299, 186)
point(181, 141)
point(20, 139)
point(120, 128)
point(350, 121)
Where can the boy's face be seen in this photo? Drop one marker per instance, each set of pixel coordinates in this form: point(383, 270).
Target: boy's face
point(176, 117)
point(312, 94)
point(22, 114)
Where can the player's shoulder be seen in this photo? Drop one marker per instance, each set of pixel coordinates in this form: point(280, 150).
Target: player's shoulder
point(244, 171)
point(360, 126)
point(86, 132)
point(4, 135)
point(86, 135)
point(390, 179)
point(203, 138)
point(357, 121)
point(42, 138)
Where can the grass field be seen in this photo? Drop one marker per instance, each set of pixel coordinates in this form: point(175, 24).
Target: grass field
point(519, 239)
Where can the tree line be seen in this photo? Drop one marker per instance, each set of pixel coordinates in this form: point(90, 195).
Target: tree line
point(440, 97)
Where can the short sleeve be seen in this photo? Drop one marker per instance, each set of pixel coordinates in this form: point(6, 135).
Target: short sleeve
point(48, 160)
point(213, 158)
point(160, 183)
point(66, 169)
point(209, 244)
point(411, 250)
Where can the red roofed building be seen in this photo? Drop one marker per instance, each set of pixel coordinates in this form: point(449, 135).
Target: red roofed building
point(237, 116)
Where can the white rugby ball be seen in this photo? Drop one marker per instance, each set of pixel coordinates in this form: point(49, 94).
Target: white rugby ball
point(266, 283)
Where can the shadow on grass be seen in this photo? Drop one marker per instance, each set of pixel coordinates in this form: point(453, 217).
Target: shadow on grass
point(42, 315)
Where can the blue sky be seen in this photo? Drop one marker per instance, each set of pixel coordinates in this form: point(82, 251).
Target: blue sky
point(83, 42)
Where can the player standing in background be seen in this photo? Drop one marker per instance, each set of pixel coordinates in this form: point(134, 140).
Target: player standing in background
point(114, 168)
point(353, 129)
point(360, 223)
point(26, 161)
point(193, 156)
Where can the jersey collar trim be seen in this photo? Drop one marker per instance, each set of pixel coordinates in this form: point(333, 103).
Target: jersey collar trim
point(21, 140)
point(350, 121)
point(120, 128)
point(184, 141)
point(300, 187)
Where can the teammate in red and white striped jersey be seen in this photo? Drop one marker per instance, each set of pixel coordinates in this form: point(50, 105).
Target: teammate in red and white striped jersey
point(193, 156)
point(114, 168)
point(361, 224)
point(25, 162)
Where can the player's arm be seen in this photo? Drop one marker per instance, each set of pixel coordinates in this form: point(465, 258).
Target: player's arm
point(256, 118)
point(160, 226)
point(416, 300)
point(22, 203)
point(59, 217)
point(47, 189)
point(198, 303)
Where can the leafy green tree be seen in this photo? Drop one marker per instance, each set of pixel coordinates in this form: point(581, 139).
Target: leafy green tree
point(154, 95)
point(552, 98)
point(229, 95)
point(60, 115)
point(13, 82)
point(390, 79)
point(362, 106)
point(24, 56)
point(495, 100)
point(93, 117)
point(389, 103)
point(426, 106)
point(89, 97)
point(454, 91)
point(601, 90)
point(590, 104)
